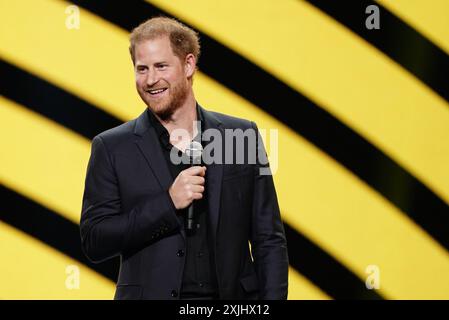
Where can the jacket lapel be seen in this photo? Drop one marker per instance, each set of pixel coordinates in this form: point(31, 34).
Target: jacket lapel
point(214, 174)
point(149, 146)
point(147, 142)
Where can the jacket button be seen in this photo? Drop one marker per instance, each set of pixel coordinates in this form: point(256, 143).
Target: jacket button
point(174, 293)
point(180, 253)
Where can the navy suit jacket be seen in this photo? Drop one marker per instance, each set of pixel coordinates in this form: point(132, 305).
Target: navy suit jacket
point(128, 212)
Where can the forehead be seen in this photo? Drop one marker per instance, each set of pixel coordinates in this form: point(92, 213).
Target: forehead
point(152, 50)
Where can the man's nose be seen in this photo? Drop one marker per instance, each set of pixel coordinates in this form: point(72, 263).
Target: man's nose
point(152, 78)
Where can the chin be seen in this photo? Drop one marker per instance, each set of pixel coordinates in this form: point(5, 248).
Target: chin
point(163, 112)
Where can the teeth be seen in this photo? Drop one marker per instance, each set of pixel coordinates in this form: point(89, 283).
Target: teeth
point(156, 91)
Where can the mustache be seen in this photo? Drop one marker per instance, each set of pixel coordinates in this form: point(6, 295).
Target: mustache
point(157, 86)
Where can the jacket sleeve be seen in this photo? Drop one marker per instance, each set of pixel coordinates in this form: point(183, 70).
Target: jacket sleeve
point(107, 231)
point(268, 242)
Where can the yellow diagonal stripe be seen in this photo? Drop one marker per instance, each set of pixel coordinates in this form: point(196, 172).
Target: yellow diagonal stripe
point(42, 160)
point(55, 176)
point(340, 213)
point(32, 270)
point(430, 18)
point(317, 196)
point(339, 71)
point(300, 288)
point(79, 60)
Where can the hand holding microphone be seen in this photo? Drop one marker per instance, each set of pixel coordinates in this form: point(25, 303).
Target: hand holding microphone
point(189, 184)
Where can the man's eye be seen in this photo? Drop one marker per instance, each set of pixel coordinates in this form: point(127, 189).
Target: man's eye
point(162, 66)
point(141, 69)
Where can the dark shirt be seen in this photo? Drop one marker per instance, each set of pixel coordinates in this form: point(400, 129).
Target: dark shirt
point(199, 277)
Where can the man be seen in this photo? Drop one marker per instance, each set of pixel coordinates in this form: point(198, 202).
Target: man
point(137, 196)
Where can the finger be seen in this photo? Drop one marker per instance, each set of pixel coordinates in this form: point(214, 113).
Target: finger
point(197, 188)
point(196, 180)
point(197, 196)
point(194, 171)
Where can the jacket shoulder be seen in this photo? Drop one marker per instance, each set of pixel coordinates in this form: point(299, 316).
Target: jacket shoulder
point(231, 122)
point(118, 135)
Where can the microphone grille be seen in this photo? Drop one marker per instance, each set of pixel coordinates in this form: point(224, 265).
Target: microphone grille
point(194, 151)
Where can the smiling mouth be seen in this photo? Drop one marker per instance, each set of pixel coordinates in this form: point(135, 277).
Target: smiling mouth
point(155, 92)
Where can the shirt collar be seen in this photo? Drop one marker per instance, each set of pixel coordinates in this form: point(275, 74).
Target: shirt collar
point(162, 132)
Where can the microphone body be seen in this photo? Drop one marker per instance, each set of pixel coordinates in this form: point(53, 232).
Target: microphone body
point(194, 152)
point(190, 219)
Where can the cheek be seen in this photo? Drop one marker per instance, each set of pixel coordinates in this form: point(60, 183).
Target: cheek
point(140, 88)
point(140, 80)
point(139, 85)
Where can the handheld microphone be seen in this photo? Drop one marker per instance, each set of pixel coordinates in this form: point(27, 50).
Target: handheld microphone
point(194, 151)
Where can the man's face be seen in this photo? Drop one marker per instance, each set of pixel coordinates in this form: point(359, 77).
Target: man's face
point(161, 77)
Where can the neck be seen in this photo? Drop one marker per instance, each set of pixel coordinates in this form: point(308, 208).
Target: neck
point(183, 118)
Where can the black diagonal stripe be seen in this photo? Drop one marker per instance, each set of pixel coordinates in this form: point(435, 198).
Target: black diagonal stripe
point(49, 221)
point(50, 228)
point(396, 39)
point(306, 118)
point(63, 235)
point(326, 272)
point(18, 80)
point(53, 102)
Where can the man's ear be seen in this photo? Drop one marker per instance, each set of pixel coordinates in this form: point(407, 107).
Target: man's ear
point(190, 65)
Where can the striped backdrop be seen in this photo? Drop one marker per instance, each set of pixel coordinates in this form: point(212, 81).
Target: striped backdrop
point(362, 116)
